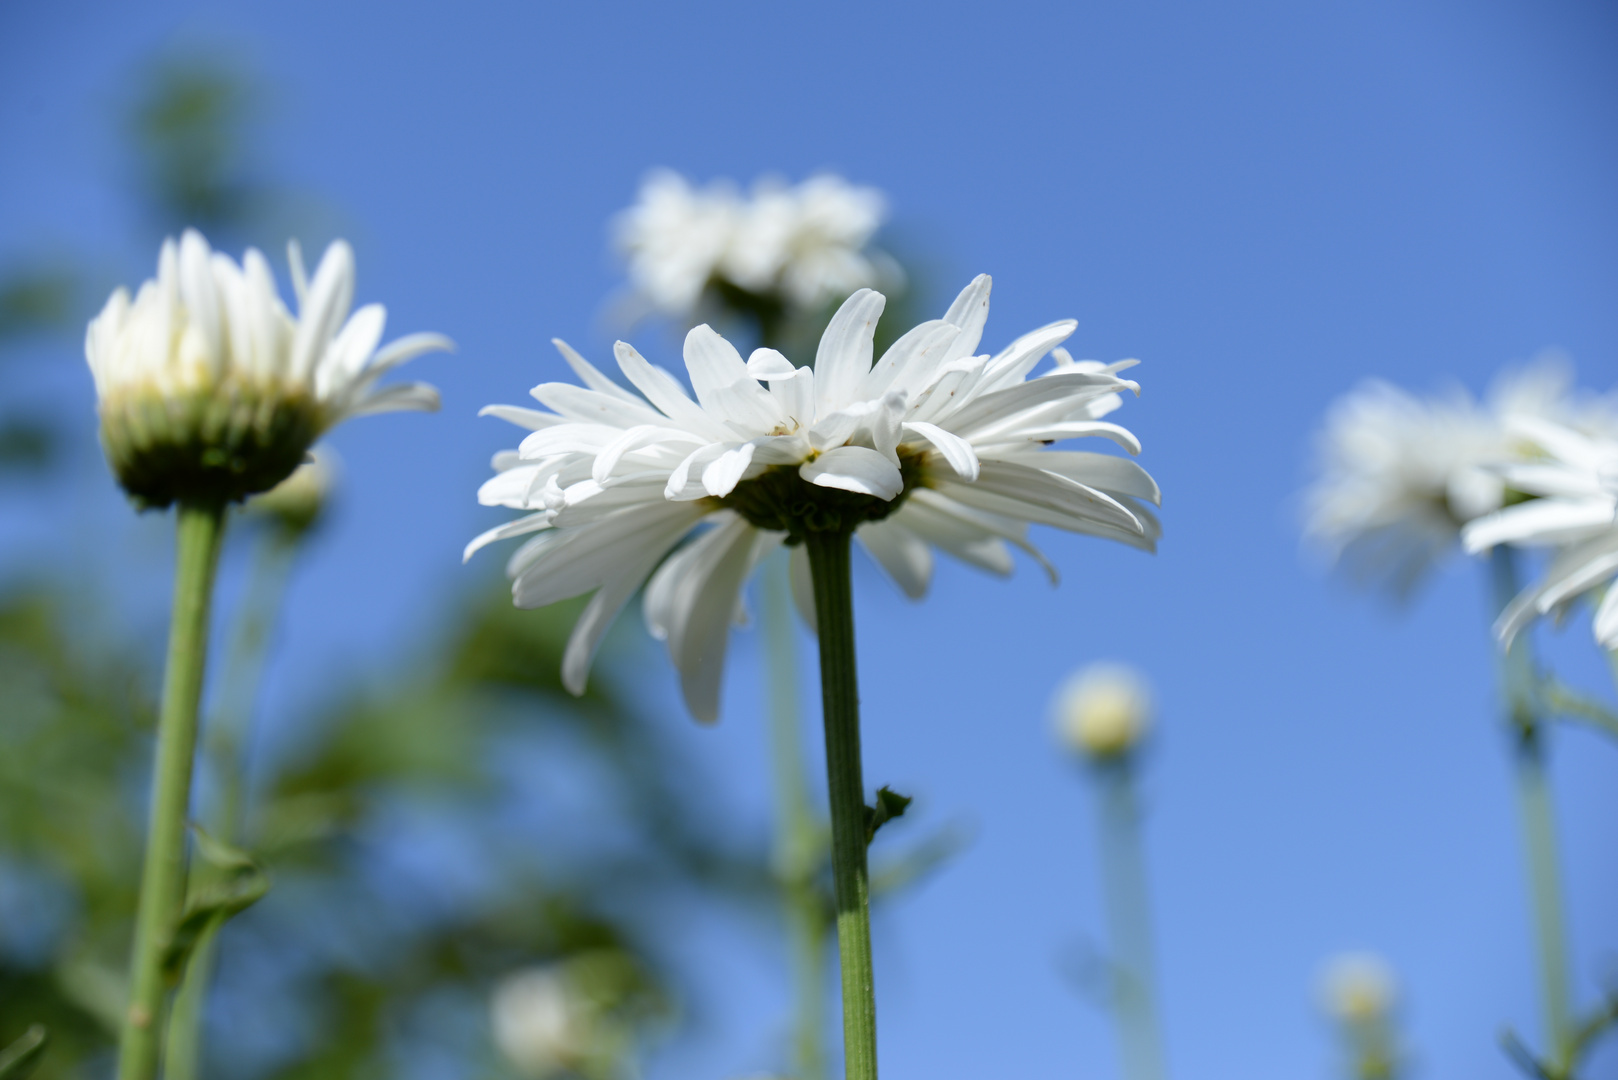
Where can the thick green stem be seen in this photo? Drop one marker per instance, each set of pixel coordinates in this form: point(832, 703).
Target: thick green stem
point(162, 889)
point(798, 841)
point(226, 748)
point(1129, 921)
point(839, 691)
point(1539, 828)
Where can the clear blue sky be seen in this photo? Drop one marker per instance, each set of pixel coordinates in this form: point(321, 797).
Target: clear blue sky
point(1265, 202)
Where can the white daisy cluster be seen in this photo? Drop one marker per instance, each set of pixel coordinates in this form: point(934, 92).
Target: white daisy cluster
point(804, 244)
point(933, 446)
point(1574, 477)
point(1399, 475)
point(209, 388)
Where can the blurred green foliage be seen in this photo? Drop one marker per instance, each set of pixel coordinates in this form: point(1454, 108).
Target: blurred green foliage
point(413, 857)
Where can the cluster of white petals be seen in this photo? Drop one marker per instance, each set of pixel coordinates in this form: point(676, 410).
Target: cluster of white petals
point(614, 480)
point(206, 321)
point(1399, 475)
point(1574, 477)
point(805, 243)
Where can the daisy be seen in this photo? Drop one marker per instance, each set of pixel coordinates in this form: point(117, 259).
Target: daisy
point(1575, 478)
point(1399, 475)
point(208, 388)
point(798, 246)
point(933, 447)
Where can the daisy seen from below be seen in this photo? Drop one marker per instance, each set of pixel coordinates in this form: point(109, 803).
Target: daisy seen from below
point(933, 445)
point(1399, 475)
point(1573, 479)
point(209, 391)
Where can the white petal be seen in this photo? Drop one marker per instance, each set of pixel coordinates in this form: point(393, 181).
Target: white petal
point(590, 376)
point(404, 397)
point(844, 355)
point(331, 294)
point(579, 560)
point(665, 392)
point(724, 472)
point(406, 348)
point(528, 524)
point(724, 387)
point(1605, 625)
point(970, 312)
point(956, 450)
point(532, 419)
point(901, 553)
point(1540, 521)
point(770, 364)
point(855, 468)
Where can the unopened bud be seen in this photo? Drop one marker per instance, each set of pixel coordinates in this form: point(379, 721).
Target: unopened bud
point(1357, 988)
point(297, 502)
point(1103, 710)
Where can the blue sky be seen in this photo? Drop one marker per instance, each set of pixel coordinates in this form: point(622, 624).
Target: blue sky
point(1264, 202)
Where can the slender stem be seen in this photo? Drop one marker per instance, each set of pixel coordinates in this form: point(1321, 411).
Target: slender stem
point(1129, 921)
point(226, 747)
point(1538, 825)
point(798, 848)
point(162, 889)
point(840, 699)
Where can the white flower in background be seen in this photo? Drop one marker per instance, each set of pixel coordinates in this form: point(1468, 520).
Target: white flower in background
point(1575, 477)
point(932, 447)
point(804, 244)
point(1357, 988)
point(1103, 710)
point(574, 1017)
point(675, 237)
point(208, 388)
point(1399, 475)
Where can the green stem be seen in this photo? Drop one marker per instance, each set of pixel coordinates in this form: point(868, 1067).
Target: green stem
point(226, 747)
point(1124, 880)
point(162, 888)
point(1539, 828)
point(798, 849)
point(840, 699)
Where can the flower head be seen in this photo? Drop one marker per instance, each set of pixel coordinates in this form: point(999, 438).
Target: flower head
point(800, 245)
point(933, 446)
point(1574, 478)
point(208, 388)
point(1357, 988)
point(1399, 476)
point(1103, 711)
point(574, 1017)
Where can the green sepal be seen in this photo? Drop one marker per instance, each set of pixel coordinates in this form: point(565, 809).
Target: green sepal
point(22, 1057)
point(237, 884)
point(889, 805)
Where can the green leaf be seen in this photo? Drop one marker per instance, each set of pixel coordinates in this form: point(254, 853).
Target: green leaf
point(237, 884)
point(889, 805)
point(22, 1057)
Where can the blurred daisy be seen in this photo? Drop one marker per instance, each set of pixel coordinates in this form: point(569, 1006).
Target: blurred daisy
point(1103, 710)
point(209, 388)
point(572, 1018)
point(1398, 475)
point(1575, 479)
point(933, 446)
point(803, 245)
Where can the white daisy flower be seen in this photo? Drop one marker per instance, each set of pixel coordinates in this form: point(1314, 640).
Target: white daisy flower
point(931, 447)
point(807, 243)
point(1398, 475)
point(571, 1018)
point(802, 245)
point(208, 388)
point(1104, 710)
point(1575, 478)
point(675, 237)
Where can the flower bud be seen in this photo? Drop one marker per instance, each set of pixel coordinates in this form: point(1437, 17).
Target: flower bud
point(297, 502)
point(1103, 710)
point(1357, 988)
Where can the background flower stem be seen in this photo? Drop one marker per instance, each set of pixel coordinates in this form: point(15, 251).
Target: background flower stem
point(839, 690)
point(798, 843)
point(1123, 875)
point(226, 747)
point(162, 890)
point(1538, 825)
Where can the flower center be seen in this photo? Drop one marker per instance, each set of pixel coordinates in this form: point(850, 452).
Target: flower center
point(781, 500)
